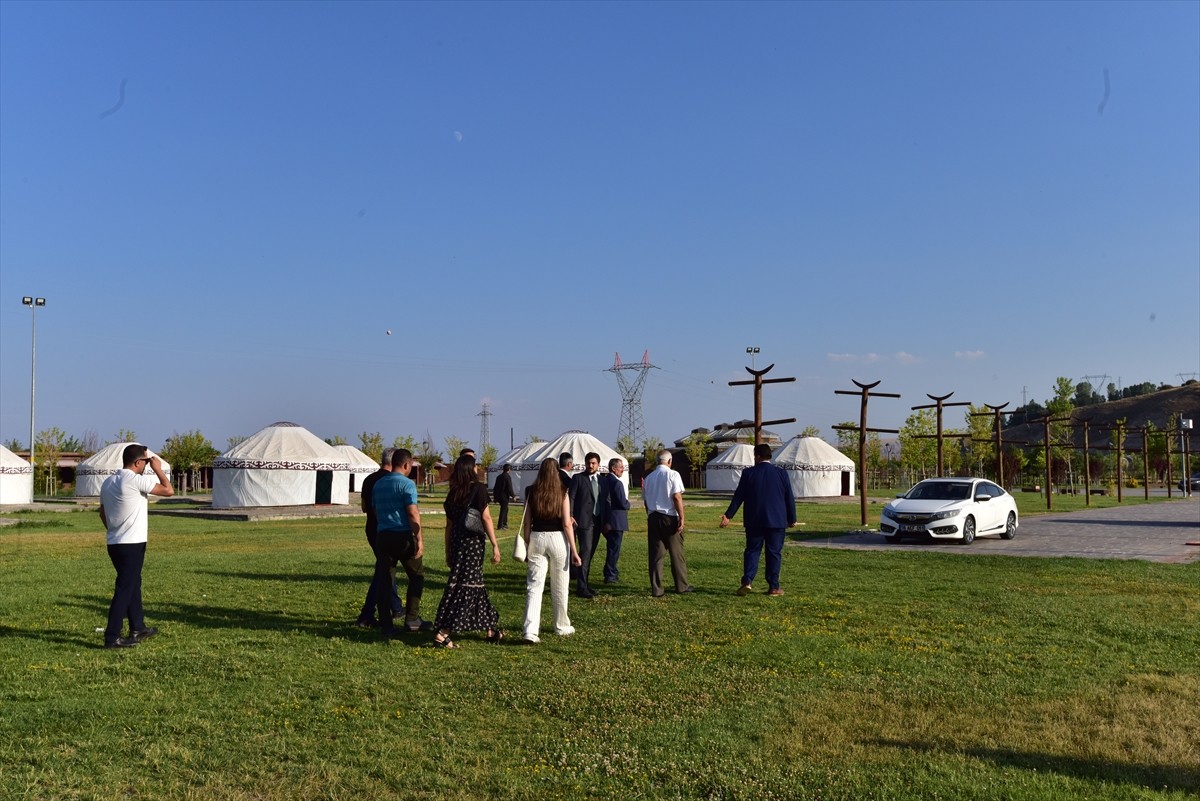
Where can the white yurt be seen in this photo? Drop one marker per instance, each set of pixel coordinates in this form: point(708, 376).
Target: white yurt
point(361, 465)
point(816, 468)
point(282, 465)
point(577, 443)
point(515, 457)
point(16, 479)
point(725, 469)
point(92, 471)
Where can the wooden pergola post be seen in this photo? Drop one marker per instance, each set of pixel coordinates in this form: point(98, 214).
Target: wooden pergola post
point(865, 393)
point(939, 404)
point(758, 385)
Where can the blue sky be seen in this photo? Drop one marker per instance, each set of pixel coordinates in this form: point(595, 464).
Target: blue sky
point(227, 205)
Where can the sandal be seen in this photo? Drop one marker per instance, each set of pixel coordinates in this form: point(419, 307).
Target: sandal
point(495, 635)
point(444, 642)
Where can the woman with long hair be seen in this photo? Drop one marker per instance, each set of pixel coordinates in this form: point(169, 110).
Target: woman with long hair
point(550, 541)
point(465, 604)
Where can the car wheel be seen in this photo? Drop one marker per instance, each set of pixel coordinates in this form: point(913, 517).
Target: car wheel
point(1010, 528)
point(968, 535)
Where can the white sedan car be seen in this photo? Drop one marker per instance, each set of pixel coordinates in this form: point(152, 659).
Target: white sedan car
point(950, 508)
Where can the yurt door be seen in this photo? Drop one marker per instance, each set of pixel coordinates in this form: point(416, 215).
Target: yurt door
point(324, 486)
point(845, 482)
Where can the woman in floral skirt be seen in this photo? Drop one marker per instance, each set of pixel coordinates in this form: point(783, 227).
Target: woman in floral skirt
point(465, 604)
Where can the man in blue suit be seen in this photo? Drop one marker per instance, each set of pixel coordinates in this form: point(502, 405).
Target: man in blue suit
point(770, 511)
point(614, 516)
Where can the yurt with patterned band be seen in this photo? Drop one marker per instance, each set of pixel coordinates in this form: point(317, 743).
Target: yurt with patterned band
point(361, 465)
point(282, 465)
point(724, 470)
point(816, 468)
point(16, 479)
point(92, 472)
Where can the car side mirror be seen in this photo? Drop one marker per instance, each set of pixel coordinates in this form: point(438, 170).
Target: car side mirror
point(981, 498)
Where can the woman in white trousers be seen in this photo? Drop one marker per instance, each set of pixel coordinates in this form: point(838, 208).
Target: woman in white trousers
point(550, 543)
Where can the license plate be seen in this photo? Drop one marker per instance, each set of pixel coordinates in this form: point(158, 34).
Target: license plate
point(910, 527)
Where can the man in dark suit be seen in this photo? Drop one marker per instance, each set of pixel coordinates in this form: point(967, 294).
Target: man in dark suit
point(770, 511)
point(585, 503)
point(502, 493)
point(614, 516)
point(566, 465)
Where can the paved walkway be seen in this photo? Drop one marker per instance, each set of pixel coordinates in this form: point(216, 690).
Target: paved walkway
point(1158, 532)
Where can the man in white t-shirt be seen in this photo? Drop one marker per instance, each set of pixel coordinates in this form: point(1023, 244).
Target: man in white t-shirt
point(123, 510)
point(662, 493)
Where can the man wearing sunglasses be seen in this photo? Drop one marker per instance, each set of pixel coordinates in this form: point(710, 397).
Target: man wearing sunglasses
point(123, 510)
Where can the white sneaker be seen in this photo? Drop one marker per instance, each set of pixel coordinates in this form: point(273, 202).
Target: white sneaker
point(531, 638)
point(567, 632)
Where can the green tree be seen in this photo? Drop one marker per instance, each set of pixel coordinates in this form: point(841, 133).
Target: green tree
point(650, 448)
point(454, 446)
point(235, 440)
point(408, 442)
point(697, 446)
point(125, 435)
point(372, 445)
point(45, 466)
point(626, 446)
point(187, 453)
point(335, 440)
point(1061, 406)
point(14, 445)
point(847, 439)
point(918, 450)
point(981, 447)
point(875, 458)
point(532, 438)
point(811, 431)
point(1086, 396)
point(487, 456)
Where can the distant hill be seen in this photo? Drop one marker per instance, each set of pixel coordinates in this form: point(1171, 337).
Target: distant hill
point(1158, 408)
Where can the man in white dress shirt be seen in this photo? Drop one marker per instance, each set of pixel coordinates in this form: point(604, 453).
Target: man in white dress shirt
point(662, 493)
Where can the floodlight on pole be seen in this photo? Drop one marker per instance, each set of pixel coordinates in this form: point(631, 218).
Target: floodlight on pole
point(752, 351)
point(33, 304)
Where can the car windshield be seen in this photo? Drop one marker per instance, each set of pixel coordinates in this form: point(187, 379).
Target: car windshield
point(940, 491)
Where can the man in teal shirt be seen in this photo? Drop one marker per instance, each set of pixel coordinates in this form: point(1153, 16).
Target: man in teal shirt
point(398, 541)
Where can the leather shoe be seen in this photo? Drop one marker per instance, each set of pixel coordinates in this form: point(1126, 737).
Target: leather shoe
point(121, 642)
point(144, 634)
point(744, 590)
point(686, 589)
point(775, 593)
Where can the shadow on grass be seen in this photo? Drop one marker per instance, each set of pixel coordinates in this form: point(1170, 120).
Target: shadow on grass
point(61, 636)
point(1156, 777)
point(363, 578)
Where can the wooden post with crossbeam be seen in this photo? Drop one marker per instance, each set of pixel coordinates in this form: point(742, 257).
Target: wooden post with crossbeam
point(758, 385)
point(939, 403)
point(865, 392)
point(998, 436)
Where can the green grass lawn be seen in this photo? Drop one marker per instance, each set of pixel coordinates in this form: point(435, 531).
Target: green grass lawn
point(881, 675)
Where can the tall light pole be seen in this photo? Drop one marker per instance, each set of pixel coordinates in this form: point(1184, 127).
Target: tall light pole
point(33, 304)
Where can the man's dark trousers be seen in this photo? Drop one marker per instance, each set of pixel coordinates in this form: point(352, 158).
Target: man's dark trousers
point(127, 595)
point(755, 539)
point(392, 548)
